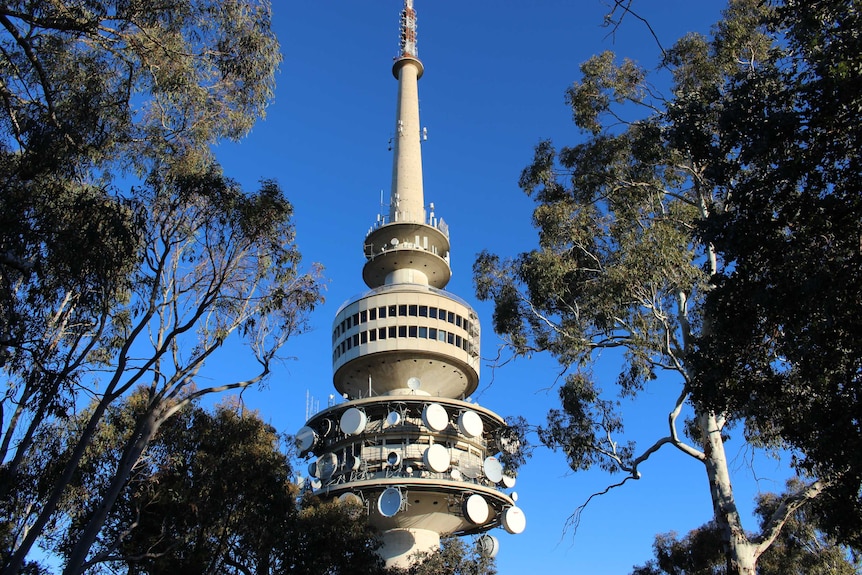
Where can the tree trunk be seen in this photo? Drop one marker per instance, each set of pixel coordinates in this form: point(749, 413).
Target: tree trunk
point(740, 552)
point(147, 427)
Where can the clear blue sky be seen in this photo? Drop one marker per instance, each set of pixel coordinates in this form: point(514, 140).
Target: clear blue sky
point(495, 75)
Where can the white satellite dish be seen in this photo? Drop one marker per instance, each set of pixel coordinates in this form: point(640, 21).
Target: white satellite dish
point(353, 421)
point(456, 474)
point(470, 423)
point(312, 469)
point(393, 459)
point(394, 241)
point(414, 383)
point(350, 499)
point(514, 496)
point(325, 427)
point(437, 458)
point(493, 469)
point(488, 546)
point(471, 469)
point(514, 520)
point(327, 464)
point(393, 418)
point(351, 462)
point(305, 438)
point(508, 481)
point(389, 502)
point(476, 509)
point(434, 417)
point(316, 484)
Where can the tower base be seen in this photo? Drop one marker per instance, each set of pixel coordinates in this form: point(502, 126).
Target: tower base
point(400, 545)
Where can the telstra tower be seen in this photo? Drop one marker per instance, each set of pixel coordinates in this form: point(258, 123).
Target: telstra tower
point(405, 355)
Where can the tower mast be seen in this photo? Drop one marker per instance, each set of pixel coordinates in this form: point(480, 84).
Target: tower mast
point(406, 445)
point(407, 202)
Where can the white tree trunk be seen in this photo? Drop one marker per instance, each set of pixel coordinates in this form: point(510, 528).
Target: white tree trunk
point(740, 551)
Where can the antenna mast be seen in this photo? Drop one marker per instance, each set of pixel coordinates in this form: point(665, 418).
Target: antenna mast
point(408, 31)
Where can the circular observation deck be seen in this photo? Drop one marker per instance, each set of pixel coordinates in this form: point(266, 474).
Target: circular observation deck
point(407, 246)
point(400, 332)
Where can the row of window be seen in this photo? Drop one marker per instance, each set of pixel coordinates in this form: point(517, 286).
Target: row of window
point(396, 331)
point(402, 310)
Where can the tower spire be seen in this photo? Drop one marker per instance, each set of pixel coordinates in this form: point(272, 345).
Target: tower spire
point(406, 446)
point(407, 203)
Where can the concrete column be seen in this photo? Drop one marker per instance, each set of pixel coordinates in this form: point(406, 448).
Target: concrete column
point(407, 202)
point(400, 544)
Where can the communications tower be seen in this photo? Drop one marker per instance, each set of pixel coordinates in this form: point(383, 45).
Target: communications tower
point(406, 444)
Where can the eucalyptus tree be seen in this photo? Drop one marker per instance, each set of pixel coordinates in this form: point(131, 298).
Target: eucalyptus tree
point(626, 259)
point(802, 548)
point(126, 256)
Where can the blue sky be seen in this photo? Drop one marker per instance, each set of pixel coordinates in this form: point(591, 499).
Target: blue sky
point(495, 75)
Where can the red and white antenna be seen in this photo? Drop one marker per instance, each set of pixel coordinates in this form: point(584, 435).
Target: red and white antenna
point(408, 31)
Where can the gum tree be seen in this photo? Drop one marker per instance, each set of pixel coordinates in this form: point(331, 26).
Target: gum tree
point(623, 262)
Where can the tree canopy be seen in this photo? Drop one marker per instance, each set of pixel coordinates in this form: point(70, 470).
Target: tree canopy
point(664, 235)
point(127, 257)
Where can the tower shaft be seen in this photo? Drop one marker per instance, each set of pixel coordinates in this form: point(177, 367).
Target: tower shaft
point(407, 202)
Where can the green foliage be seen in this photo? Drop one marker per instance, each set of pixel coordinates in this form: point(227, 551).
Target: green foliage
point(212, 494)
point(802, 548)
point(95, 97)
point(783, 349)
point(455, 557)
point(712, 236)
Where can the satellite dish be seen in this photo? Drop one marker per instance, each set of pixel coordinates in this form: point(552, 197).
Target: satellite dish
point(434, 417)
point(312, 469)
point(437, 458)
point(471, 469)
point(305, 438)
point(349, 499)
point(389, 502)
point(456, 474)
point(476, 509)
point(488, 546)
point(393, 418)
point(508, 481)
point(493, 469)
point(327, 464)
point(514, 520)
point(414, 383)
point(316, 484)
point(394, 241)
point(325, 427)
point(353, 421)
point(393, 459)
point(470, 423)
point(351, 462)
point(514, 496)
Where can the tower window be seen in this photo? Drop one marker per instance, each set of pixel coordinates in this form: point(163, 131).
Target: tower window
point(382, 311)
point(363, 316)
point(423, 311)
point(432, 312)
point(412, 331)
point(363, 337)
point(414, 310)
point(451, 317)
point(402, 310)
point(356, 339)
point(392, 332)
point(355, 319)
point(423, 332)
point(372, 314)
point(432, 333)
point(372, 335)
point(381, 333)
point(393, 310)
point(402, 331)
